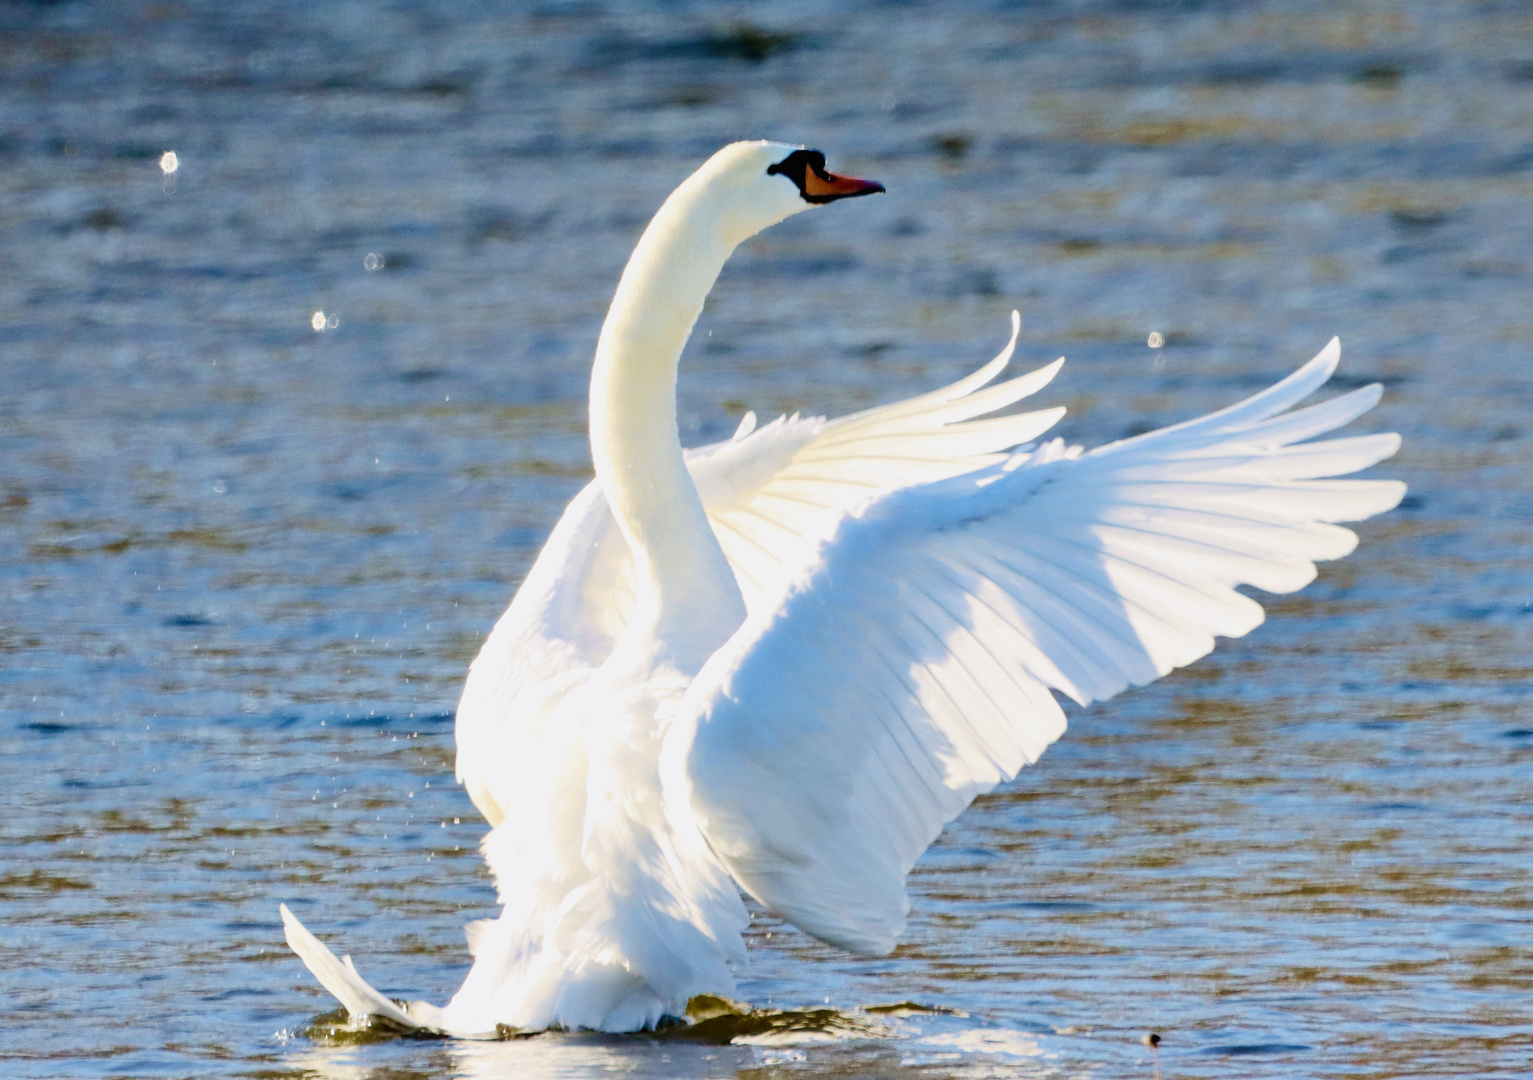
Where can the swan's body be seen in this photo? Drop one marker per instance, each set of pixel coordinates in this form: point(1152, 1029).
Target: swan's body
point(782, 663)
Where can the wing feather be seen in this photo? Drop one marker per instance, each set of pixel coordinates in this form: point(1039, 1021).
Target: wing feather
point(909, 659)
point(793, 478)
point(548, 638)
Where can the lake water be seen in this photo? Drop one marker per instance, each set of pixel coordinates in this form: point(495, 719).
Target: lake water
point(245, 563)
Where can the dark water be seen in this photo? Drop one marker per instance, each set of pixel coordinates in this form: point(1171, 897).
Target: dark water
point(245, 563)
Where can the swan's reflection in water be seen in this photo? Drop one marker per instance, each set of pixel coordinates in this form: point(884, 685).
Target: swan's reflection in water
point(570, 1056)
point(915, 1048)
point(550, 1057)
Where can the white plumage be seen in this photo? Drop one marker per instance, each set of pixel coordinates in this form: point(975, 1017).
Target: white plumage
point(782, 663)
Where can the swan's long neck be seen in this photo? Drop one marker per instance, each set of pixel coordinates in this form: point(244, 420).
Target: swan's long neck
point(689, 602)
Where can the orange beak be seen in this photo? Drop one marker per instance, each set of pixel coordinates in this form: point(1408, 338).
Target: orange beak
point(824, 187)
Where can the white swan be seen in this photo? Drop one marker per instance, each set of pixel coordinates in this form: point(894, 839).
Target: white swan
point(782, 663)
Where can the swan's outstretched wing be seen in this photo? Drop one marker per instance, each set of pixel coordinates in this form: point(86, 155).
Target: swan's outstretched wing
point(908, 665)
point(764, 490)
point(769, 488)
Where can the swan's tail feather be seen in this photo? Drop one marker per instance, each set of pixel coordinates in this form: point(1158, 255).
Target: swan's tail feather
point(339, 976)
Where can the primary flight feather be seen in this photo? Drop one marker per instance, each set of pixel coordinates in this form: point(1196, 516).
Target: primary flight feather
point(782, 663)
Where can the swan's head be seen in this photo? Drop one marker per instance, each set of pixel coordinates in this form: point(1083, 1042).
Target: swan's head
point(754, 185)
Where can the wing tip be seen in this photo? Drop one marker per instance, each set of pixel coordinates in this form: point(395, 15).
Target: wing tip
point(1392, 492)
point(1317, 371)
point(987, 374)
point(1328, 358)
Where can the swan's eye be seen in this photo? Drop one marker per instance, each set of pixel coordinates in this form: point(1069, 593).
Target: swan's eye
point(806, 168)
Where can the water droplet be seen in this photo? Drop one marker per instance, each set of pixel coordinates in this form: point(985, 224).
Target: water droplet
point(1157, 339)
point(372, 261)
point(169, 163)
point(318, 321)
point(219, 487)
